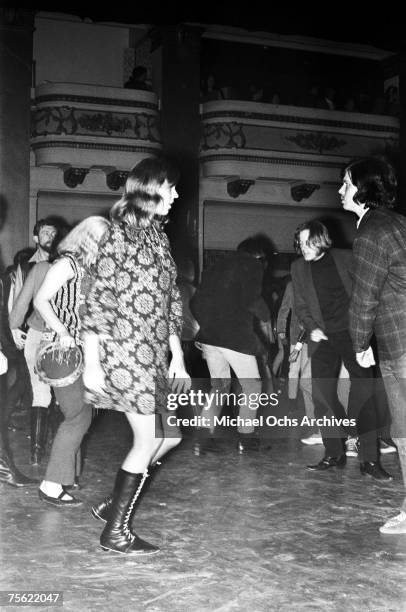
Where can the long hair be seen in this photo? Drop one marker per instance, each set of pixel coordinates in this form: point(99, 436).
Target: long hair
point(84, 239)
point(375, 180)
point(140, 200)
point(319, 237)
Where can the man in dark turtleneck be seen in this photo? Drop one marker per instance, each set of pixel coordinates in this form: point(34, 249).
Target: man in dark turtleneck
point(322, 291)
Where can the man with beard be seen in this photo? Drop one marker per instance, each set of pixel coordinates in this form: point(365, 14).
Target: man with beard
point(28, 278)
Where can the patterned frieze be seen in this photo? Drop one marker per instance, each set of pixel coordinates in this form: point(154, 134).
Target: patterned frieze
point(83, 125)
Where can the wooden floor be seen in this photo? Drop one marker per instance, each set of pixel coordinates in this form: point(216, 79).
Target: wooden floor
point(253, 533)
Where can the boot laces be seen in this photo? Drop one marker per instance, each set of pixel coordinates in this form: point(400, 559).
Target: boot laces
point(126, 529)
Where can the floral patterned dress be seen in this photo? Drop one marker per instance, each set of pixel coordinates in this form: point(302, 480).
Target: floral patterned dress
point(134, 306)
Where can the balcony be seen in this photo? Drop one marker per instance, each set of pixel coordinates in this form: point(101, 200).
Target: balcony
point(252, 140)
point(85, 126)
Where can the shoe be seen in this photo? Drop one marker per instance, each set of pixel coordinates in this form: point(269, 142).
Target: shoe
point(58, 501)
point(10, 475)
point(386, 448)
point(314, 438)
point(328, 462)
point(207, 445)
point(76, 486)
point(374, 469)
point(351, 447)
point(395, 525)
point(117, 535)
point(247, 443)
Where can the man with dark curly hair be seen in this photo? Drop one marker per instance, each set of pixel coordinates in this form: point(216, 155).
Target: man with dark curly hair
point(378, 302)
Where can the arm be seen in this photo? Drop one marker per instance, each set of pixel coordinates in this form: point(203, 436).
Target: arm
point(371, 263)
point(284, 310)
point(252, 290)
point(23, 301)
point(57, 276)
point(177, 365)
point(302, 309)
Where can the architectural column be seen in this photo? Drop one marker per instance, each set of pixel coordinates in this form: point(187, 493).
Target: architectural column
point(16, 35)
point(179, 60)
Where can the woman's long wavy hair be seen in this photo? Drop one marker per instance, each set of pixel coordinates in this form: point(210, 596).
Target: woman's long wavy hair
point(84, 239)
point(140, 200)
point(375, 180)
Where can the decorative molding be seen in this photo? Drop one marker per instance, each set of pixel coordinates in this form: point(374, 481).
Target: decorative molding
point(69, 121)
point(223, 136)
point(102, 146)
point(316, 141)
point(72, 177)
point(281, 118)
point(280, 161)
point(74, 98)
point(238, 187)
point(115, 180)
point(303, 191)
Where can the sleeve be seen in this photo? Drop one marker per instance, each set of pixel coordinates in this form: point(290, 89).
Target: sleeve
point(371, 266)
point(175, 311)
point(252, 290)
point(301, 306)
point(23, 301)
point(101, 307)
point(284, 310)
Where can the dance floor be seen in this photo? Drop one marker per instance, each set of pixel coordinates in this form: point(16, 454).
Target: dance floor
point(254, 532)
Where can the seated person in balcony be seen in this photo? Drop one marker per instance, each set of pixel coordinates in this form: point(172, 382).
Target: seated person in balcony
point(210, 91)
point(138, 79)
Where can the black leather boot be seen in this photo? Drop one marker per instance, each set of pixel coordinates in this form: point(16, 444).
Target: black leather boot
point(117, 535)
point(39, 433)
point(11, 475)
point(101, 511)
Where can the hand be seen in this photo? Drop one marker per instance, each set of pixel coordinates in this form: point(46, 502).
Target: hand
point(19, 338)
point(317, 335)
point(282, 337)
point(365, 358)
point(66, 340)
point(294, 355)
point(94, 378)
point(179, 378)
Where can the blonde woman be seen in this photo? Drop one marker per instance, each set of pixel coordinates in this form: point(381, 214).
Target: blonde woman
point(133, 321)
point(60, 301)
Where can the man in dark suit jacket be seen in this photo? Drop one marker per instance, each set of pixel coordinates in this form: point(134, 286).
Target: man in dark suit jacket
point(378, 303)
point(322, 288)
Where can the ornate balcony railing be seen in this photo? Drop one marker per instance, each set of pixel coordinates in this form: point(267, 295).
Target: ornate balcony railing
point(84, 126)
point(252, 140)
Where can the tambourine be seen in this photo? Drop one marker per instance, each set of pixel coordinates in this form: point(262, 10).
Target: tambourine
point(57, 366)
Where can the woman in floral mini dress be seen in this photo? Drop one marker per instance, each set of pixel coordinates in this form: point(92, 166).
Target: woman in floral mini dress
point(133, 322)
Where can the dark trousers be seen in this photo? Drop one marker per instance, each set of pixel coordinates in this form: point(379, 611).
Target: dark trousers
point(65, 456)
point(326, 363)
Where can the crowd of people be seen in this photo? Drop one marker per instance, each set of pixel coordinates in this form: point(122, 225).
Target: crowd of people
point(326, 97)
point(107, 290)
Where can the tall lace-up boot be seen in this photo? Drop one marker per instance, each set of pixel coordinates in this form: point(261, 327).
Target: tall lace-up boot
point(101, 511)
point(117, 535)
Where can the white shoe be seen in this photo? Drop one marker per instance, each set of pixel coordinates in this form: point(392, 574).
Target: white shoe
point(351, 447)
point(386, 448)
point(395, 525)
point(314, 438)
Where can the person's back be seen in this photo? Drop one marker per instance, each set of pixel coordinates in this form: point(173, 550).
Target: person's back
point(226, 301)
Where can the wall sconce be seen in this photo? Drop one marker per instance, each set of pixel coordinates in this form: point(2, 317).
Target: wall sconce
point(116, 179)
point(238, 187)
point(72, 177)
point(303, 191)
